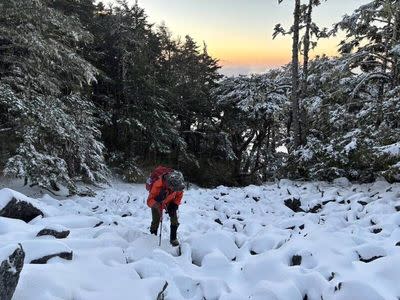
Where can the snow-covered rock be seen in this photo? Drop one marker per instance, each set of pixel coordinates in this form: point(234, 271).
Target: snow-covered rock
point(11, 263)
point(40, 251)
point(207, 243)
point(342, 182)
point(17, 206)
point(355, 290)
point(59, 232)
point(343, 245)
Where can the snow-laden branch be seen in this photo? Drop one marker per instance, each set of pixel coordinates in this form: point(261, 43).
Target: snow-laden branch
point(366, 79)
point(5, 129)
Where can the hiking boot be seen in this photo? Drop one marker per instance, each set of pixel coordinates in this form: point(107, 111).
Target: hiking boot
point(172, 239)
point(153, 231)
point(174, 243)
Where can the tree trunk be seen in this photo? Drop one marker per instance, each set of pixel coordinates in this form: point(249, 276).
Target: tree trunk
point(240, 145)
point(395, 40)
point(295, 76)
point(306, 51)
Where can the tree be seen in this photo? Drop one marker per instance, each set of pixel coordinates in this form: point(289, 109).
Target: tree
point(195, 75)
point(42, 90)
point(252, 114)
point(295, 94)
point(301, 45)
point(372, 34)
point(372, 39)
point(155, 91)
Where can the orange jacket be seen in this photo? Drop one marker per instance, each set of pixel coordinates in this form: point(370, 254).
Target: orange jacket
point(160, 193)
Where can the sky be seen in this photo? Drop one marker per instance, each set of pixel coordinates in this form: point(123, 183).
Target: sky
point(239, 32)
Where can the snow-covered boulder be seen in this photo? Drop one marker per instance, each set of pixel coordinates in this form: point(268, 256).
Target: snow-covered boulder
point(342, 182)
point(368, 253)
point(207, 243)
point(355, 290)
point(294, 204)
point(55, 233)
point(40, 251)
point(12, 260)
point(263, 243)
point(59, 232)
point(17, 206)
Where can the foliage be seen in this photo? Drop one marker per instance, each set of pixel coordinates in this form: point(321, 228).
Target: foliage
point(43, 82)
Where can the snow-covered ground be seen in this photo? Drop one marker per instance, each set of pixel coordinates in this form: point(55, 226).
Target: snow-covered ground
point(236, 243)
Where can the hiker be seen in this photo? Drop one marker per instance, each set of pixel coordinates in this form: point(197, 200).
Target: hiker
point(166, 192)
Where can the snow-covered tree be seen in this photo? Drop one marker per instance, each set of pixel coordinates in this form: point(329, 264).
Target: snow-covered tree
point(253, 117)
point(343, 139)
point(305, 34)
point(349, 104)
point(43, 88)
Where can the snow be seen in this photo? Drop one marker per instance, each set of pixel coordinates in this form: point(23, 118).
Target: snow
point(351, 146)
point(204, 244)
point(316, 103)
point(236, 243)
point(342, 182)
point(6, 251)
point(396, 50)
point(6, 195)
point(305, 154)
point(392, 150)
point(36, 249)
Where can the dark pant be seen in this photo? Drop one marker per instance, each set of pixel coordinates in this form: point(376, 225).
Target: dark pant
point(155, 213)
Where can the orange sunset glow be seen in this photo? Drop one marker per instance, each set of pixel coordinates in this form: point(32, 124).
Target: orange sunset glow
point(239, 32)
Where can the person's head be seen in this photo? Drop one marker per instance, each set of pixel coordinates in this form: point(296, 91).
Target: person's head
point(175, 181)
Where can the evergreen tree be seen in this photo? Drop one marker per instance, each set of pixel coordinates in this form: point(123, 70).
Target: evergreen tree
point(74, 74)
point(133, 90)
point(372, 37)
point(195, 75)
point(302, 44)
point(43, 82)
point(252, 116)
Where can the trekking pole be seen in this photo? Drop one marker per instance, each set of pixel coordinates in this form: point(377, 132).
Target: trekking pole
point(161, 227)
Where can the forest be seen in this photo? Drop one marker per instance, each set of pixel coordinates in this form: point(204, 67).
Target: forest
point(89, 91)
